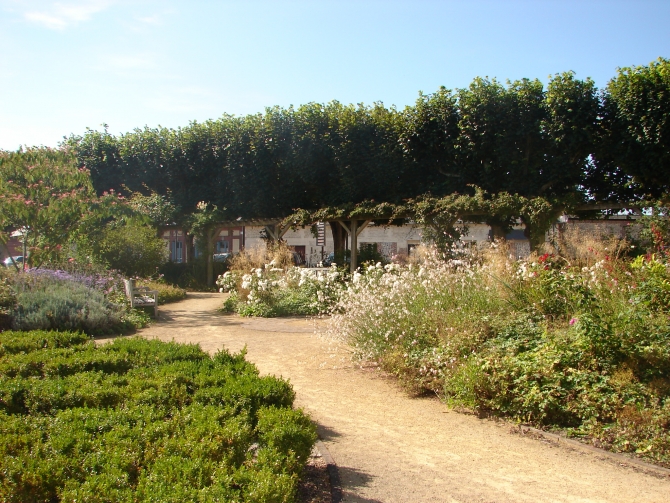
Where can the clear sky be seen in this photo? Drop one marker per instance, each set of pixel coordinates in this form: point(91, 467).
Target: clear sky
point(73, 64)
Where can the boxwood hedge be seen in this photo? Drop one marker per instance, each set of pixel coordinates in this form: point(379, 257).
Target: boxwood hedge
point(143, 421)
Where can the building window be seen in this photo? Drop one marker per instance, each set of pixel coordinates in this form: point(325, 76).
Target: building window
point(177, 251)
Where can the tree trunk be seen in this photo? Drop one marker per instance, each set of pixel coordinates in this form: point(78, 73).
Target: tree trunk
point(338, 237)
point(536, 235)
point(211, 239)
point(497, 232)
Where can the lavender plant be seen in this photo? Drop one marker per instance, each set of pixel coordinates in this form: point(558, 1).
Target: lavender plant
point(93, 302)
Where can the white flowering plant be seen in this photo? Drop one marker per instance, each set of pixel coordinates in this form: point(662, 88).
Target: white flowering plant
point(574, 341)
point(273, 291)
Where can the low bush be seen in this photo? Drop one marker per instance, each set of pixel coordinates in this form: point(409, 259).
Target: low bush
point(92, 301)
point(272, 291)
point(55, 300)
point(7, 304)
point(166, 293)
point(139, 420)
point(133, 249)
point(580, 342)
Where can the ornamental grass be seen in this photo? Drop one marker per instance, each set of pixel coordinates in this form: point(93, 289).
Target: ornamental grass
point(575, 338)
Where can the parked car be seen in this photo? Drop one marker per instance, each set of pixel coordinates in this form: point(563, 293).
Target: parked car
point(221, 257)
point(328, 261)
point(8, 261)
point(330, 258)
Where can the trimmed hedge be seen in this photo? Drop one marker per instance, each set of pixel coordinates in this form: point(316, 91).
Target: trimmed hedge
point(141, 421)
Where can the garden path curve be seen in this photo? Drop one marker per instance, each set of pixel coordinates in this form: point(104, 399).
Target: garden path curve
point(393, 448)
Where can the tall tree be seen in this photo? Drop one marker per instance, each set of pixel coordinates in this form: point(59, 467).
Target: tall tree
point(640, 97)
point(429, 140)
point(571, 125)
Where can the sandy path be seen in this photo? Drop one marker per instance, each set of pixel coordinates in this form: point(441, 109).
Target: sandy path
point(393, 448)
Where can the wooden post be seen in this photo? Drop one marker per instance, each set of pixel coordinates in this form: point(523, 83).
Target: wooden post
point(353, 230)
point(270, 230)
point(276, 232)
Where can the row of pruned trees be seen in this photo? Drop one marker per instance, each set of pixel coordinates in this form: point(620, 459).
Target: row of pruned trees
point(543, 149)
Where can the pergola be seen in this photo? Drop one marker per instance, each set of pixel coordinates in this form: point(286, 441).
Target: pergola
point(276, 228)
point(355, 218)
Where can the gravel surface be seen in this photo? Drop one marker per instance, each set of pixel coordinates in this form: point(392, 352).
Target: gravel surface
point(390, 447)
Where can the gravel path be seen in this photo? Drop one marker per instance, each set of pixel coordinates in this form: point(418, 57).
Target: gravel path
point(393, 448)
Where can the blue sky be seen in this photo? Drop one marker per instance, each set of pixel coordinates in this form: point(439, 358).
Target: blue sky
point(73, 64)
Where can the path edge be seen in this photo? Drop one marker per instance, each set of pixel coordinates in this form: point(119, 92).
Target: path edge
point(620, 458)
point(333, 473)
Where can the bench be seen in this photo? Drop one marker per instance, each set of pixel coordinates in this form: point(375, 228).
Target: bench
point(141, 296)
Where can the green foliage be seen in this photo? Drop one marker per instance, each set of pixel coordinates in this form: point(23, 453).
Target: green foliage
point(12, 343)
point(640, 98)
point(133, 249)
point(45, 195)
point(166, 293)
point(551, 341)
point(521, 138)
point(159, 209)
point(369, 254)
point(136, 318)
point(653, 288)
point(139, 420)
point(535, 151)
point(445, 219)
point(654, 235)
point(49, 303)
point(288, 432)
point(230, 304)
point(191, 275)
point(7, 303)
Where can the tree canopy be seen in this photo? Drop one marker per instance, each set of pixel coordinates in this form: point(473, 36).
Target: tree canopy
point(521, 146)
point(565, 140)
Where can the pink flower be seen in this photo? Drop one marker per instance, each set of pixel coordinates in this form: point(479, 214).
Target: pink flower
point(573, 321)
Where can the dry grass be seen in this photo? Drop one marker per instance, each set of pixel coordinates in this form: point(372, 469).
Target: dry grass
point(583, 249)
point(279, 255)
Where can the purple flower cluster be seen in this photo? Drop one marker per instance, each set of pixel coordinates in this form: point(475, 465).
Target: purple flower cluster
point(95, 281)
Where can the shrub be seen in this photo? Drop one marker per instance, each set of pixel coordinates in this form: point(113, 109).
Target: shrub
point(133, 249)
point(139, 420)
point(272, 291)
point(47, 301)
point(577, 340)
point(94, 302)
point(7, 304)
point(166, 293)
point(192, 275)
point(368, 253)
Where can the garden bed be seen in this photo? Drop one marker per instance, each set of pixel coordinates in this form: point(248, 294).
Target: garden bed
point(577, 341)
point(138, 420)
